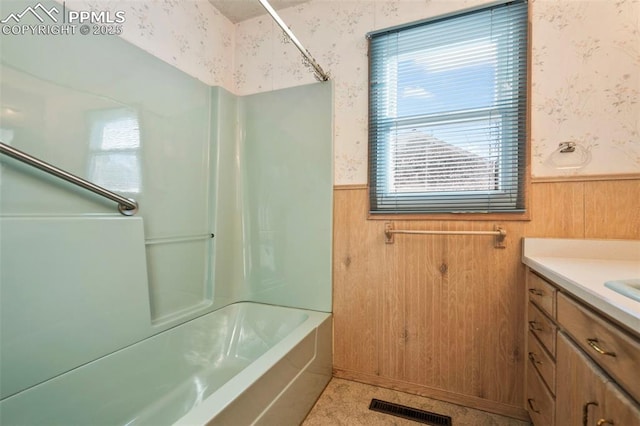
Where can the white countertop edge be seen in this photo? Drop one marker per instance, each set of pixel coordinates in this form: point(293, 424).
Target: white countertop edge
point(581, 248)
point(599, 301)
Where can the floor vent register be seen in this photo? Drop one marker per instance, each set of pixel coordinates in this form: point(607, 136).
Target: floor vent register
point(409, 413)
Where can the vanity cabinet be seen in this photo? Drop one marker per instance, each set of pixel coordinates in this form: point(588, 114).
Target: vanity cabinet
point(582, 369)
point(585, 396)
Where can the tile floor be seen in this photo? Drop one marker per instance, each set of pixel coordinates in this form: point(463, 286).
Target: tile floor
point(346, 403)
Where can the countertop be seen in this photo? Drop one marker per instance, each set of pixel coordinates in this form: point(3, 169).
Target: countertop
point(581, 267)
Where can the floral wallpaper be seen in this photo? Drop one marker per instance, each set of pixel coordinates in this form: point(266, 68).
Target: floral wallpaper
point(585, 75)
point(191, 35)
point(585, 67)
point(586, 86)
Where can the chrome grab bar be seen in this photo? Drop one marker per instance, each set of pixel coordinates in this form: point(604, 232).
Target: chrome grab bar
point(126, 206)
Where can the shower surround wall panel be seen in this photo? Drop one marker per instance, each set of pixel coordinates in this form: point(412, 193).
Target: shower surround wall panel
point(273, 191)
point(288, 242)
point(106, 111)
point(61, 304)
point(226, 184)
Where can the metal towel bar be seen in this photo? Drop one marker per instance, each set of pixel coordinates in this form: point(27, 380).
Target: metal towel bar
point(126, 206)
point(499, 233)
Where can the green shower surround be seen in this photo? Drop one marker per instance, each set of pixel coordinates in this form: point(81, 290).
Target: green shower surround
point(274, 196)
point(286, 173)
point(256, 171)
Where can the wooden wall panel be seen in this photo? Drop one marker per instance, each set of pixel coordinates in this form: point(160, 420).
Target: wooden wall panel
point(392, 315)
point(612, 209)
point(357, 283)
point(557, 210)
point(455, 334)
point(423, 307)
point(463, 312)
point(504, 318)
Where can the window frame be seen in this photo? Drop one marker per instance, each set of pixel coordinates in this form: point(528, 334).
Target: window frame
point(473, 114)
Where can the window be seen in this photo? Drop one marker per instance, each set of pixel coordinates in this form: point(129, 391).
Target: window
point(115, 150)
point(447, 113)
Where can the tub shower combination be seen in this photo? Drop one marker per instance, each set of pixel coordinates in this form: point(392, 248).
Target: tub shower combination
point(208, 300)
point(78, 346)
point(243, 364)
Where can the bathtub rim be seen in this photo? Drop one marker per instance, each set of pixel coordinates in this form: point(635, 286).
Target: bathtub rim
point(214, 404)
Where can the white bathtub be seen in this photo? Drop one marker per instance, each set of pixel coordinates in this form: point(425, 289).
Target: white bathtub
point(246, 363)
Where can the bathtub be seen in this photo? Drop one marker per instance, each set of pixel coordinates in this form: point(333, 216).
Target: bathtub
point(246, 363)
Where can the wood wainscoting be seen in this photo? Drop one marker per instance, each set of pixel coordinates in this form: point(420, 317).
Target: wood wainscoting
point(443, 316)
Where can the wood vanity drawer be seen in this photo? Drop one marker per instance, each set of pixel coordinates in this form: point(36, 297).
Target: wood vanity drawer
point(542, 362)
point(543, 328)
point(542, 294)
point(540, 402)
point(610, 347)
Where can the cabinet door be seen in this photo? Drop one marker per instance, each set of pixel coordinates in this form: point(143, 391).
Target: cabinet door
point(585, 396)
point(615, 351)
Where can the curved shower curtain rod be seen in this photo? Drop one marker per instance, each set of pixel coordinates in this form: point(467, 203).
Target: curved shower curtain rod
point(317, 69)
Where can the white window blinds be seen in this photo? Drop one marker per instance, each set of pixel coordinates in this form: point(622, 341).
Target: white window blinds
point(447, 113)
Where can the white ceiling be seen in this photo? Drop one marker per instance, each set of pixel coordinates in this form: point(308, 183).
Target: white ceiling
point(241, 10)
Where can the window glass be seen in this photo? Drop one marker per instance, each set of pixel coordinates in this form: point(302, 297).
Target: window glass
point(447, 113)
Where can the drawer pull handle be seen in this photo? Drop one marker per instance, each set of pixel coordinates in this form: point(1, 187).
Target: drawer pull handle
point(585, 413)
point(534, 326)
point(594, 344)
point(536, 292)
point(533, 359)
point(602, 422)
point(530, 401)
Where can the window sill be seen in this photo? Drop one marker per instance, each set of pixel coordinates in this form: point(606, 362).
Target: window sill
point(522, 217)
